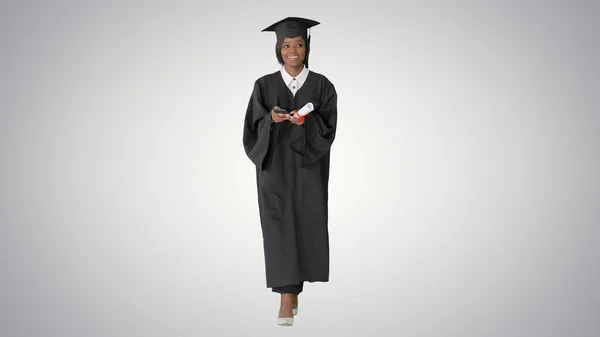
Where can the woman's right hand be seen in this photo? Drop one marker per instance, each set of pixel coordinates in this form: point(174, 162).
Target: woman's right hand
point(277, 117)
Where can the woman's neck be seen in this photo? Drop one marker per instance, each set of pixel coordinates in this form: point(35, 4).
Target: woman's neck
point(295, 71)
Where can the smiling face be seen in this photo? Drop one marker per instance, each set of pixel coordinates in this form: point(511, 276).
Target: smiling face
point(293, 51)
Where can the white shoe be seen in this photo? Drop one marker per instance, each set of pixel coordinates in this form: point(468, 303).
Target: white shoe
point(285, 321)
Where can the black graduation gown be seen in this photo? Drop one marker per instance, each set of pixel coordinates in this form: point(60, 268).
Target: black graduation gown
point(292, 174)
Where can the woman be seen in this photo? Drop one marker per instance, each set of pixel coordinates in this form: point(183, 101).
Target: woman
point(291, 152)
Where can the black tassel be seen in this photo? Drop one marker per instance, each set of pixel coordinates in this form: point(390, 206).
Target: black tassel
point(308, 47)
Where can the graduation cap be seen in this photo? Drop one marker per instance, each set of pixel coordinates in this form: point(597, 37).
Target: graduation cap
point(292, 27)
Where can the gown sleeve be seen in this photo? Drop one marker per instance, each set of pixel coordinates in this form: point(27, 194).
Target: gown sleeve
point(257, 128)
point(320, 127)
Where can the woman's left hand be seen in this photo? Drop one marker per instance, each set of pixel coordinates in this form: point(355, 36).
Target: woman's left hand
point(295, 118)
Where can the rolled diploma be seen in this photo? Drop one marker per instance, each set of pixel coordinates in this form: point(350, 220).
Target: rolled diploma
point(306, 109)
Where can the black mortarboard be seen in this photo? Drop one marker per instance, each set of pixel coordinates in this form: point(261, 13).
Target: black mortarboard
point(291, 27)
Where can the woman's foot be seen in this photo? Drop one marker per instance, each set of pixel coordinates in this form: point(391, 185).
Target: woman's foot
point(286, 316)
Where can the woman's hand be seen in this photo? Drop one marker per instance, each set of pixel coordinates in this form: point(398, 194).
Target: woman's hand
point(295, 118)
point(277, 117)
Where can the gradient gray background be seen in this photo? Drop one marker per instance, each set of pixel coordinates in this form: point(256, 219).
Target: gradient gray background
point(465, 178)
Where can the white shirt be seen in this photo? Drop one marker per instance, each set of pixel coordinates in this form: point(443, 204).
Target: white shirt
point(294, 83)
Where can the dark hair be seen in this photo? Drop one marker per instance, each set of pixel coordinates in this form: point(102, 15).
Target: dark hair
point(278, 52)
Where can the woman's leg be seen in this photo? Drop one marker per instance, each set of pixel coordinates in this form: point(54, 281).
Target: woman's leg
point(289, 298)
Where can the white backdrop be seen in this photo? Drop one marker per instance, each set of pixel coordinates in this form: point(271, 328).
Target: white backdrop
point(464, 185)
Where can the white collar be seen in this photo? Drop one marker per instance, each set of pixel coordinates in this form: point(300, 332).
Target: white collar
point(287, 78)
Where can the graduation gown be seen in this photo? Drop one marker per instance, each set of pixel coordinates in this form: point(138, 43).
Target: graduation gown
point(292, 175)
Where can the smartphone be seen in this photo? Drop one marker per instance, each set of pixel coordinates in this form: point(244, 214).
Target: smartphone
point(281, 111)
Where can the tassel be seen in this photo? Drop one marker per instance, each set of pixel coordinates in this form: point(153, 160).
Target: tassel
point(308, 44)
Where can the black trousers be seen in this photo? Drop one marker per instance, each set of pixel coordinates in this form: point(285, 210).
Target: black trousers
point(294, 289)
